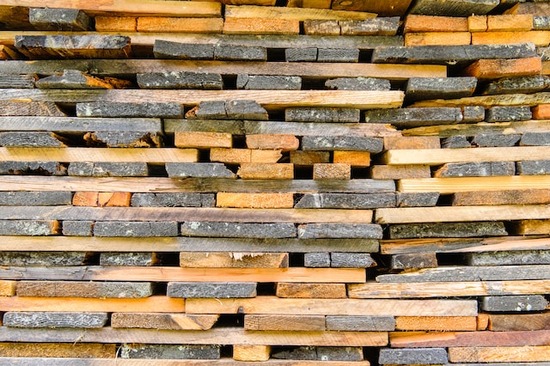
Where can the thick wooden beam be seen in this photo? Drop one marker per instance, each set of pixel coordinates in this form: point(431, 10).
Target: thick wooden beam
point(164, 274)
point(411, 215)
point(269, 99)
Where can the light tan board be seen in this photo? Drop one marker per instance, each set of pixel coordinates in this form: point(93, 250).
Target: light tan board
point(460, 213)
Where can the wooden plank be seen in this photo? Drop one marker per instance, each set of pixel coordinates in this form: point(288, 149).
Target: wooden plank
point(62, 350)
point(159, 304)
point(470, 339)
point(504, 197)
point(479, 128)
point(372, 290)
point(317, 70)
point(275, 305)
point(532, 227)
point(519, 322)
point(163, 274)
point(466, 155)
point(166, 8)
point(177, 244)
point(152, 184)
point(233, 260)
point(251, 352)
point(463, 245)
point(32, 361)
point(494, 69)
point(284, 322)
point(488, 101)
point(255, 200)
point(267, 98)
point(469, 274)
point(437, 38)
point(454, 7)
point(159, 214)
point(7, 288)
point(499, 354)
point(115, 24)
point(426, 23)
point(261, 26)
point(539, 38)
point(460, 213)
point(380, 7)
point(224, 335)
point(73, 124)
point(78, 154)
point(307, 290)
point(163, 321)
point(436, 323)
point(184, 25)
point(478, 184)
point(289, 13)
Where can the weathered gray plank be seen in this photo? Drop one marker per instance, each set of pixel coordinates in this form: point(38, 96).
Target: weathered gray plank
point(508, 258)
point(534, 167)
point(447, 230)
point(78, 228)
point(466, 274)
point(171, 352)
point(360, 323)
point(317, 260)
point(451, 54)
point(496, 140)
point(52, 198)
point(136, 228)
point(31, 139)
point(268, 82)
point(414, 117)
point(211, 289)
point(351, 260)
point(456, 8)
point(128, 259)
point(198, 170)
point(37, 258)
point(332, 231)
point(238, 230)
point(29, 227)
point(411, 356)
point(518, 85)
point(180, 80)
point(440, 88)
point(177, 199)
point(322, 115)
point(73, 124)
point(514, 303)
point(59, 19)
point(55, 320)
point(320, 353)
point(506, 114)
point(84, 289)
point(340, 200)
point(101, 169)
point(414, 260)
point(489, 169)
point(358, 83)
point(113, 109)
point(351, 143)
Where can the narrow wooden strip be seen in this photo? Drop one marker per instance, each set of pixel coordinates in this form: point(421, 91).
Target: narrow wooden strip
point(159, 304)
point(225, 336)
point(73, 124)
point(232, 11)
point(167, 185)
point(488, 101)
point(485, 154)
point(275, 305)
point(177, 244)
point(65, 350)
point(499, 354)
point(470, 339)
point(469, 245)
point(134, 66)
point(7, 288)
point(439, 323)
point(372, 290)
point(32, 361)
point(169, 8)
point(477, 184)
point(83, 154)
point(185, 214)
point(460, 213)
point(163, 274)
point(267, 98)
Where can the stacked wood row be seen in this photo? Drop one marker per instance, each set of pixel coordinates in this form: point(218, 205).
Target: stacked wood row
point(314, 182)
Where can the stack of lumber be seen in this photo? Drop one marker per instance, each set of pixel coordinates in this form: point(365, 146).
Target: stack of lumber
point(261, 182)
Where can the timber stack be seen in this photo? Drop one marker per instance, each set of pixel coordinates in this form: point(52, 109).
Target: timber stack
point(265, 182)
